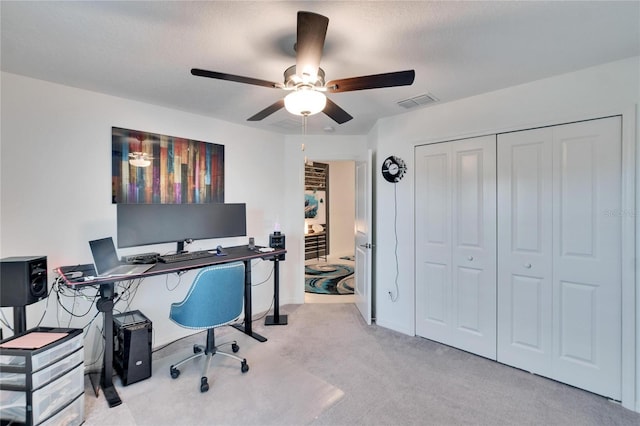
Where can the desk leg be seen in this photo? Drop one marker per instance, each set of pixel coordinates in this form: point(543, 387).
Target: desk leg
point(246, 329)
point(276, 318)
point(105, 305)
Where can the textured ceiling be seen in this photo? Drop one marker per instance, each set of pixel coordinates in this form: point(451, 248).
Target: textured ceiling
point(145, 50)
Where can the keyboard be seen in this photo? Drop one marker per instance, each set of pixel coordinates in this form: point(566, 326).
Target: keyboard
point(181, 257)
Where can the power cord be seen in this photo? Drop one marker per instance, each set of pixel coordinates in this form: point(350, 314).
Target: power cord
point(5, 322)
point(273, 299)
point(46, 307)
point(61, 292)
point(166, 281)
point(266, 279)
point(395, 296)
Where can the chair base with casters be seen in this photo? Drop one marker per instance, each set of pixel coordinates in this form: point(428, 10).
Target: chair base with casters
point(209, 351)
point(215, 299)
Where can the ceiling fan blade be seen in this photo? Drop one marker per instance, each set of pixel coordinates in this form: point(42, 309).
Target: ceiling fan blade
point(267, 111)
point(336, 113)
point(376, 81)
point(312, 29)
point(230, 77)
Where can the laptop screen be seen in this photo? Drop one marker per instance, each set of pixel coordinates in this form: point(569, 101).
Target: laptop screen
point(104, 254)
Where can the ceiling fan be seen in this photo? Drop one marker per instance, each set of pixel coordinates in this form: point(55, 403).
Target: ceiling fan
point(306, 80)
point(139, 158)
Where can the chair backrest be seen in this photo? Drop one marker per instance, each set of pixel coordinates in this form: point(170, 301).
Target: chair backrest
point(215, 298)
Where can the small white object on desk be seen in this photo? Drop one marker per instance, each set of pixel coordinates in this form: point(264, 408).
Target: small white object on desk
point(265, 249)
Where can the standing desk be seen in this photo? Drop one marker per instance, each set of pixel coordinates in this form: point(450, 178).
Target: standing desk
point(107, 295)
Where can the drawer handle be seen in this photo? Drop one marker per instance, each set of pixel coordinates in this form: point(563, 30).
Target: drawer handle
point(470, 258)
point(527, 265)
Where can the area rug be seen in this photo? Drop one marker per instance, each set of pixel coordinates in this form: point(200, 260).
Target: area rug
point(328, 278)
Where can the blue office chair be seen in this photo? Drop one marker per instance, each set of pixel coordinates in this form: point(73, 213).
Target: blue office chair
point(215, 299)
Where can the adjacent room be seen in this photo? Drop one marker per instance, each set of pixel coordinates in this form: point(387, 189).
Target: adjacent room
point(395, 212)
point(329, 231)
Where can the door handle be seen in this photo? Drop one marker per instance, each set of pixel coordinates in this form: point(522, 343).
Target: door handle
point(367, 245)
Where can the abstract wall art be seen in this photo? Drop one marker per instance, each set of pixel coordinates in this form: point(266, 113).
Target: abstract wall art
point(315, 211)
point(153, 168)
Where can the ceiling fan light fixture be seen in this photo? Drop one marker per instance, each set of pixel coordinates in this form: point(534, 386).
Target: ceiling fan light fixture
point(139, 160)
point(305, 79)
point(305, 101)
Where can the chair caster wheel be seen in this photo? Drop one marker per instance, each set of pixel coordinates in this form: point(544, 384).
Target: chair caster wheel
point(234, 347)
point(174, 372)
point(204, 386)
point(196, 349)
point(244, 367)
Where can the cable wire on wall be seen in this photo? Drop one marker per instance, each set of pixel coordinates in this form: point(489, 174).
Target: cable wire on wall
point(395, 296)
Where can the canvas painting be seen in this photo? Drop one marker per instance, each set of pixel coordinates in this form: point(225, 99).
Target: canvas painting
point(153, 168)
point(315, 207)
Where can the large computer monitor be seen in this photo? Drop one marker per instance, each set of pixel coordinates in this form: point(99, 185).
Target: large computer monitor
point(144, 224)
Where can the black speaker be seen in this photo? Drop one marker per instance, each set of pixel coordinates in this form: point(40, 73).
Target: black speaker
point(132, 346)
point(277, 241)
point(23, 280)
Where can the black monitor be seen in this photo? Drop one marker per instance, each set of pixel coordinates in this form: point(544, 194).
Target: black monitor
point(143, 224)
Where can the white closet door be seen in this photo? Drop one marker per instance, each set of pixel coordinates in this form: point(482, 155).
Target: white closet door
point(587, 287)
point(524, 249)
point(559, 242)
point(456, 244)
point(433, 241)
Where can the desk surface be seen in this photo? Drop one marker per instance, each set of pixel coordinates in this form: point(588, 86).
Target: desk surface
point(233, 254)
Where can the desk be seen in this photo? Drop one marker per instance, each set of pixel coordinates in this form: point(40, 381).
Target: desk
point(107, 295)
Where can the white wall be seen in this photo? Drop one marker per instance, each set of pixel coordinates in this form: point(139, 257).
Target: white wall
point(55, 187)
point(341, 207)
point(604, 90)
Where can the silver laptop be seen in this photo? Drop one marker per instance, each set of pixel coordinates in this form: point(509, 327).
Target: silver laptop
point(106, 260)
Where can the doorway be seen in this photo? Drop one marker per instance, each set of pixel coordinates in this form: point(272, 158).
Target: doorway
point(329, 230)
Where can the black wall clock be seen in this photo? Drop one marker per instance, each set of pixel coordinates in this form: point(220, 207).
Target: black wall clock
point(393, 169)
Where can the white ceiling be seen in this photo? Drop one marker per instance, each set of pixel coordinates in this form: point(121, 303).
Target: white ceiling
point(145, 50)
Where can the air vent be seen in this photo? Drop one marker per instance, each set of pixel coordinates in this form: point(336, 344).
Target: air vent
point(419, 100)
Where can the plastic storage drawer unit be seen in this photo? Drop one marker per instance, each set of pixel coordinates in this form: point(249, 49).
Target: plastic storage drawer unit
point(72, 415)
point(45, 375)
point(42, 377)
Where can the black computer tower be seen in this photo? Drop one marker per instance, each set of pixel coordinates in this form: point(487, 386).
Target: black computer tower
point(132, 340)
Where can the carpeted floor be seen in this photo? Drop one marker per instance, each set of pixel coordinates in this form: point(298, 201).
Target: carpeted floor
point(327, 367)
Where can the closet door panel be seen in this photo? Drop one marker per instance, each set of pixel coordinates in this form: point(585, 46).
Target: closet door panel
point(527, 321)
point(455, 244)
point(469, 287)
point(524, 249)
point(474, 245)
point(559, 251)
point(433, 241)
point(436, 297)
point(587, 253)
